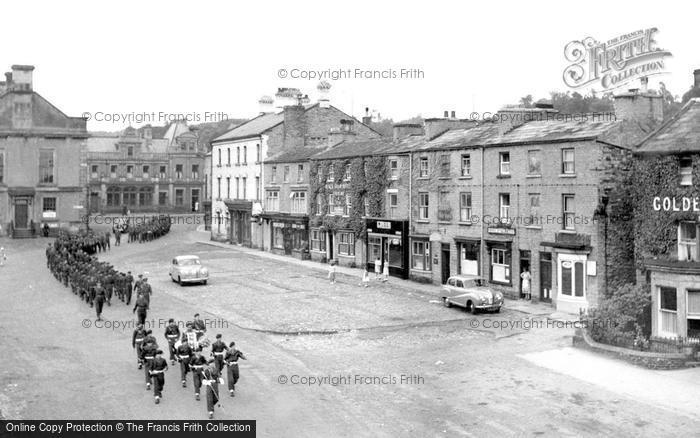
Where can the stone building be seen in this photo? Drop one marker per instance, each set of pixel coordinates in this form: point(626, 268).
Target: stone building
point(41, 178)
point(523, 194)
point(671, 212)
point(238, 172)
point(136, 172)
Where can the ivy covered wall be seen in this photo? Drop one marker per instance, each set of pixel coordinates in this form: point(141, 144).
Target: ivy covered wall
point(368, 181)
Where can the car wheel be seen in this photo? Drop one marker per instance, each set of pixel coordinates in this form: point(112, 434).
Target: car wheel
point(179, 281)
point(472, 308)
point(445, 302)
point(498, 310)
point(204, 282)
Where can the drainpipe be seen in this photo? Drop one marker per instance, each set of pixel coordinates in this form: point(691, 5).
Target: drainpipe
point(483, 243)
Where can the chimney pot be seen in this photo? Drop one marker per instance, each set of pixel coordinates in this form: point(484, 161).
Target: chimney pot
point(696, 73)
point(447, 114)
point(454, 114)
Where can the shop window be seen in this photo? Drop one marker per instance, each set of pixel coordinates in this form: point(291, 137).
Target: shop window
point(375, 248)
point(346, 244)
point(668, 311)
point(572, 278)
point(420, 255)
point(278, 235)
point(500, 265)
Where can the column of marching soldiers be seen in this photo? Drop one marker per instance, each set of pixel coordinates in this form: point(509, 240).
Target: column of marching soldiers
point(72, 260)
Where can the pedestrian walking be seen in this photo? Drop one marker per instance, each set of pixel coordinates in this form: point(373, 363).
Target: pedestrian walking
point(365, 278)
point(158, 368)
point(377, 268)
point(231, 360)
point(385, 273)
point(331, 271)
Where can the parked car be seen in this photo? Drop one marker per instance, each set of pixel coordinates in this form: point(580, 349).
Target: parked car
point(188, 269)
point(468, 291)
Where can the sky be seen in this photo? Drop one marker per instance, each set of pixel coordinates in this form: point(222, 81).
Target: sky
point(206, 57)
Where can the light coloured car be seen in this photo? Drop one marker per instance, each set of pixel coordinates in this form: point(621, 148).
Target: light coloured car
point(468, 291)
point(188, 269)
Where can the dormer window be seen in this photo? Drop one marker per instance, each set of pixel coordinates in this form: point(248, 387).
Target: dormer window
point(688, 241)
point(686, 167)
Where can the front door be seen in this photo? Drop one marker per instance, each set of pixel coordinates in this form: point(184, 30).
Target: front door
point(445, 262)
point(195, 199)
point(330, 245)
point(21, 213)
point(287, 236)
point(525, 280)
point(546, 277)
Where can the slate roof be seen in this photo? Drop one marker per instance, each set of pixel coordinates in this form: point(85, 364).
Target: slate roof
point(679, 134)
point(294, 155)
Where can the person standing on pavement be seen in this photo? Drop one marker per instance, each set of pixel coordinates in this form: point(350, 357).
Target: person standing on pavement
point(172, 333)
point(211, 379)
point(385, 273)
point(141, 308)
point(231, 360)
point(218, 350)
point(377, 268)
point(184, 355)
point(197, 363)
point(158, 369)
point(136, 341)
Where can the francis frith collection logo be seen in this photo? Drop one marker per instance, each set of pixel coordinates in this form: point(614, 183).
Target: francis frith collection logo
point(613, 63)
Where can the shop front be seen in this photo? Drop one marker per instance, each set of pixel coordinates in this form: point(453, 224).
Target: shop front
point(239, 214)
point(388, 244)
point(289, 235)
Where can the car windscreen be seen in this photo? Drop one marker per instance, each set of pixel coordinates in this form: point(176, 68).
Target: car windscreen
point(189, 262)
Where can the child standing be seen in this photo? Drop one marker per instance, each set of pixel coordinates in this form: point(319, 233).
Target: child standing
point(331, 271)
point(365, 278)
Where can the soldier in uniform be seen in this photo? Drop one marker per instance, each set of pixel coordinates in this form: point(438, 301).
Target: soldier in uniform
point(145, 290)
point(231, 360)
point(172, 333)
point(137, 284)
point(158, 368)
point(218, 349)
point(99, 294)
point(184, 354)
point(211, 379)
point(129, 285)
point(197, 363)
point(199, 326)
point(136, 341)
point(148, 350)
point(142, 306)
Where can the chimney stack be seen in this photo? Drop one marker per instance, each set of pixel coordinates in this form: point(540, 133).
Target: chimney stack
point(324, 88)
point(22, 77)
point(367, 119)
point(403, 130)
point(447, 114)
point(294, 126)
point(266, 104)
point(639, 106)
point(696, 73)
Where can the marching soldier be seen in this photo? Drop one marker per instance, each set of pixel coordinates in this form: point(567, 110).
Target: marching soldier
point(99, 294)
point(218, 349)
point(211, 379)
point(148, 350)
point(129, 285)
point(172, 333)
point(141, 306)
point(197, 363)
point(199, 326)
point(137, 284)
point(136, 341)
point(231, 360)
point(145, 290)
point(158, 368)
point(184, 355)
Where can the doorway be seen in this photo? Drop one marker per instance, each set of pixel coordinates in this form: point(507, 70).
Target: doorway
point(546, 277)
point(21, 213)
point(445, 261)
point(330, 245)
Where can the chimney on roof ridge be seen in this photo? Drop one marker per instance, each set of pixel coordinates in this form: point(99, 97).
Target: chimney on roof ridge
point(696, 75)
point(22, 77)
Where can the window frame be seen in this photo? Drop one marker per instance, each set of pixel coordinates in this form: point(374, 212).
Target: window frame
point(503, 163)
point(564, 161)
